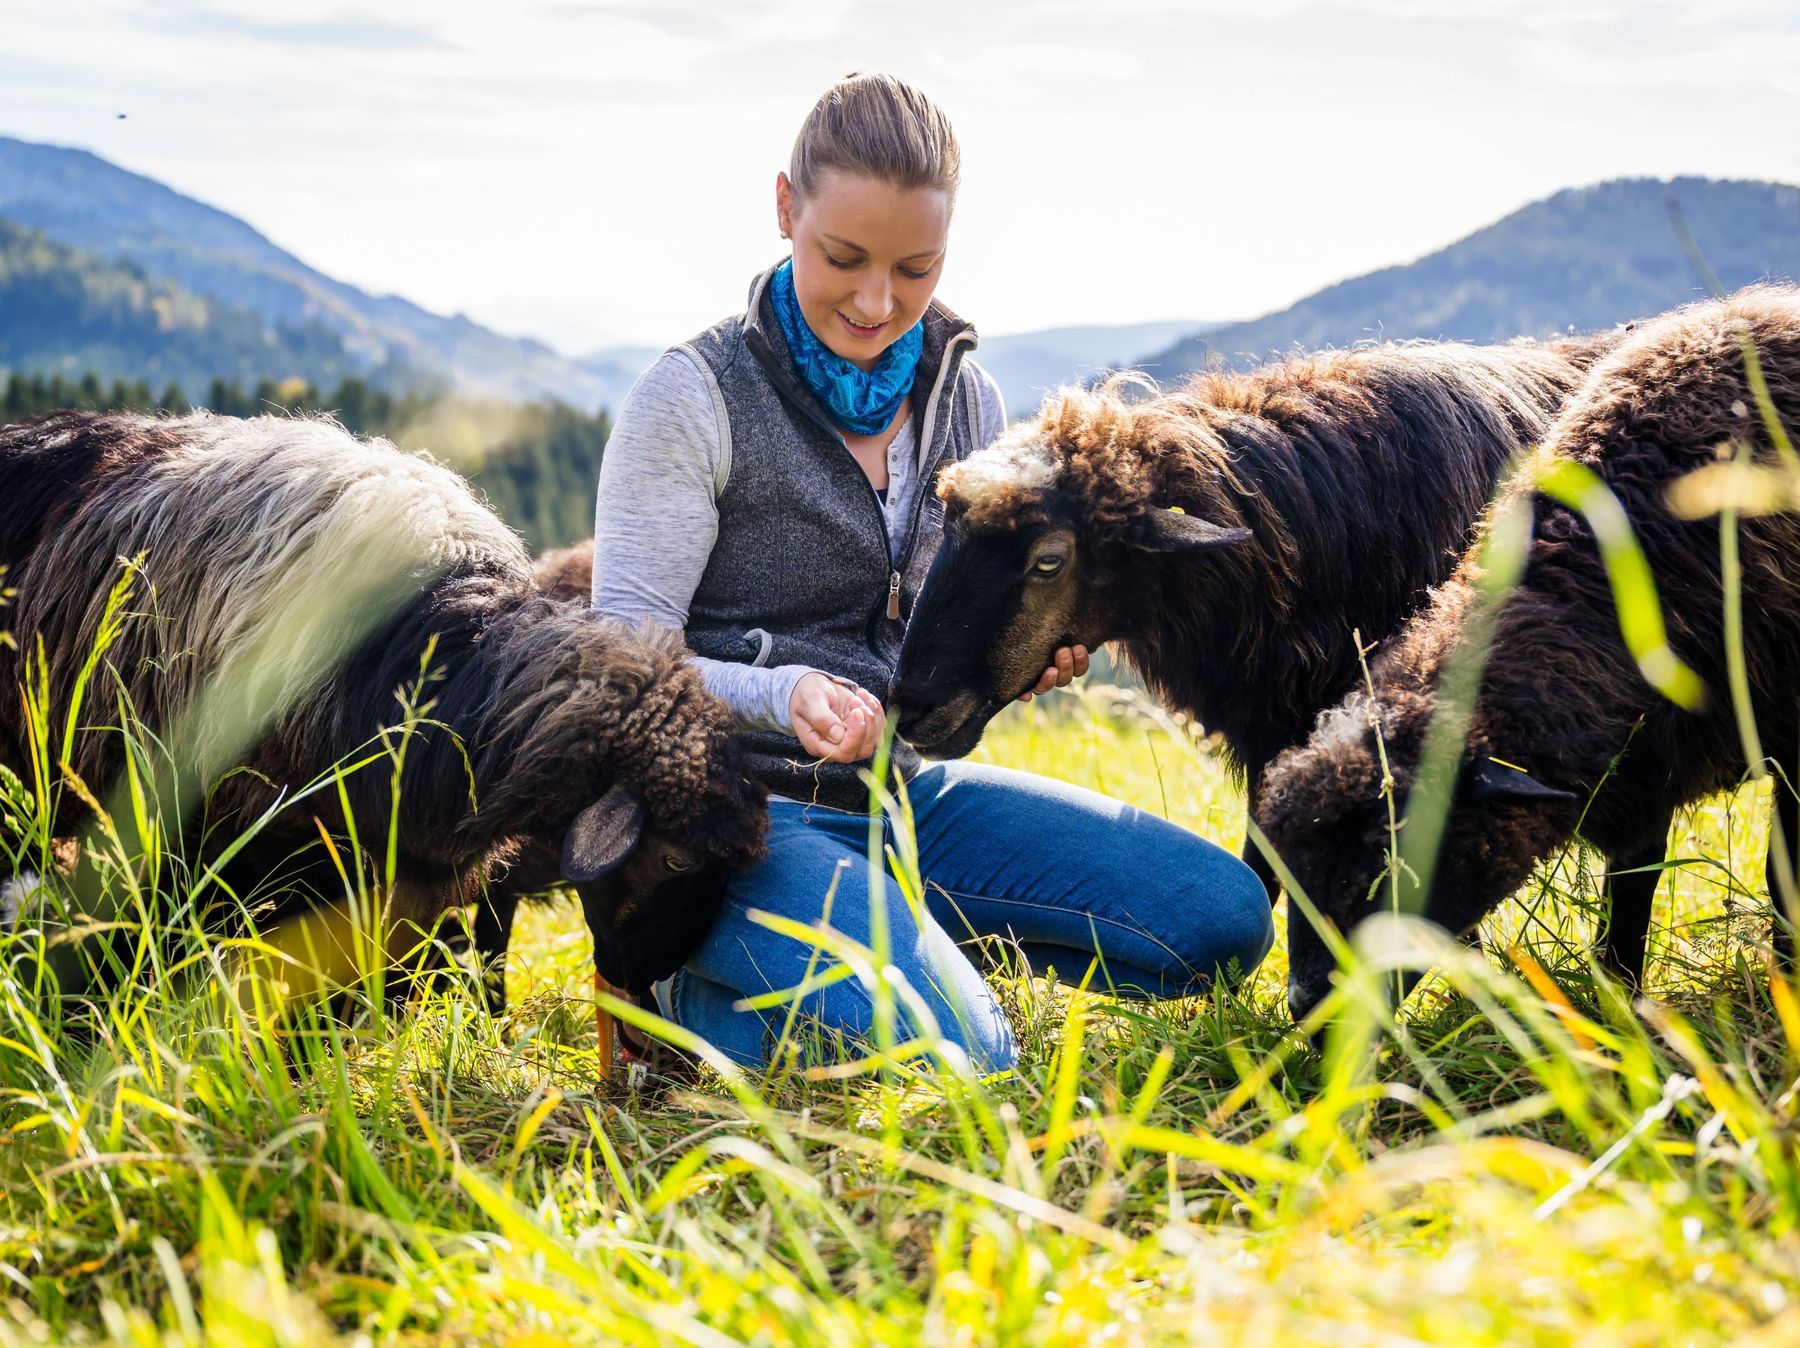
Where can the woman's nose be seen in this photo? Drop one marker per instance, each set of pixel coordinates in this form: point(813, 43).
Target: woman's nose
point(876, 301)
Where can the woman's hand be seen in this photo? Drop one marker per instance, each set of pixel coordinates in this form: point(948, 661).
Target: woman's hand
point(838, 722)
point(1071, 662)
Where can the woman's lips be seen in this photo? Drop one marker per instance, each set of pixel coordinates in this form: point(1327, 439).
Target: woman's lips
point(861, 330)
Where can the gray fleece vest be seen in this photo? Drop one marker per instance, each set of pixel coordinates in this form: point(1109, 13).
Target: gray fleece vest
point(805, 571)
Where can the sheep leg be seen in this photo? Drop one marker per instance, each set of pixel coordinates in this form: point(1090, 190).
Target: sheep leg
point(493, 935)
point(1784, 833)
point(1259, 865)
point(535, 869)
point(1626, 935)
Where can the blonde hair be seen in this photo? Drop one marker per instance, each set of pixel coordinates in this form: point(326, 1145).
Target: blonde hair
point(879, 126)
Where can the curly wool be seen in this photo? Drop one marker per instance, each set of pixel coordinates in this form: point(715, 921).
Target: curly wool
point(1358, 473)
point(1560, 695)
point(294, 582)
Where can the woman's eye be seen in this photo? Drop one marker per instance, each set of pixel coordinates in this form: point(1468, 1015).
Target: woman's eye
point(1047, 566)
point(839, 263)
point(915, 275)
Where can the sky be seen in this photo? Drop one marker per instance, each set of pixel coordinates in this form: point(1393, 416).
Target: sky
point(597, 173)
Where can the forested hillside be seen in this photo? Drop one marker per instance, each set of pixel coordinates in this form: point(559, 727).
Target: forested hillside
point(62, 309)
point(84, 202)
point(537, 464)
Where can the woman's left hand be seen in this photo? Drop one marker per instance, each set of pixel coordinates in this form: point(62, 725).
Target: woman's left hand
point(1071, 662)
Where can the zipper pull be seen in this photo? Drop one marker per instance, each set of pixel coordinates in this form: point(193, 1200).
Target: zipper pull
point(894, 596)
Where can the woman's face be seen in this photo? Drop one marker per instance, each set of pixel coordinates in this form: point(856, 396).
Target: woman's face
point(867, 257)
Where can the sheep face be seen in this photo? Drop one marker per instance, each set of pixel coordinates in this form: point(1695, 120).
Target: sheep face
point(651, 896)
point(649, 915)
point(1022, 570)
point(1324, 811)
point(994, 608)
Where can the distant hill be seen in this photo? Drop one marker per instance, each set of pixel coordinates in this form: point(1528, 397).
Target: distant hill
point(66, 311)
point(1585, 258)
point(1028, 363)
point(616, 368)
point(1024, 363)
point(79, 200)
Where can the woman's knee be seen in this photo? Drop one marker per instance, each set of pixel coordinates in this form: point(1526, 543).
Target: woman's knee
point(1239, 926)
point(949, 1001)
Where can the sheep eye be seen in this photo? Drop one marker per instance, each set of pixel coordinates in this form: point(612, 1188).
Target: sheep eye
point(1047, 566)
point(676, 865)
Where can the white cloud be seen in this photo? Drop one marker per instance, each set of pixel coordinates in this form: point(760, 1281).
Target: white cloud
point(593, 172)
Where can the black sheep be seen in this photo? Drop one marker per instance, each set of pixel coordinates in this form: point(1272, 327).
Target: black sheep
point(1560, 695)
point(1231, 536)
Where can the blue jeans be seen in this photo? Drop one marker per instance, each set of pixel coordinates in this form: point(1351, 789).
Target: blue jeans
point(1067, 874)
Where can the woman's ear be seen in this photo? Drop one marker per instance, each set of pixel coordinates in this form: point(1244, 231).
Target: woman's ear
point(784, 205)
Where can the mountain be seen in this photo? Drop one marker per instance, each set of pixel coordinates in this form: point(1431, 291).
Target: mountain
point(616, 368)
point(66, 311)
point(1024, 363)
point(79, 200)
point(1583, 259)
point(1028, 363)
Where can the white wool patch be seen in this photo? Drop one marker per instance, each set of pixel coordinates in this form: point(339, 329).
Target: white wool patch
point(13, 894)
point(274, 546)
point(1015, 461)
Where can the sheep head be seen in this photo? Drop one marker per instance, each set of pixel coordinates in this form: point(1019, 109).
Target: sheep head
point(1324, 809)
point(1047, 540)
point(651, 890)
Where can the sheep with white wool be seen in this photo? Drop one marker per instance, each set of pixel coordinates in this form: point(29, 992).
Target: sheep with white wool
point(295, 583)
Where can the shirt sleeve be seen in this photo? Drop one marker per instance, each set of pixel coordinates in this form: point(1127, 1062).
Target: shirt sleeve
point(657, 519)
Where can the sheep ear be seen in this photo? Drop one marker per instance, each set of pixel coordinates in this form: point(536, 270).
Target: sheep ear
point(1172, 529)
point(1494, 779)
point(602, 836)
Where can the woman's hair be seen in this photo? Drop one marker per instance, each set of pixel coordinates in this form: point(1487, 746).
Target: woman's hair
point(881, 127)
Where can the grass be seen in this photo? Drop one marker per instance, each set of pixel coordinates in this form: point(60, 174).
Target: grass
point(1524, 1158)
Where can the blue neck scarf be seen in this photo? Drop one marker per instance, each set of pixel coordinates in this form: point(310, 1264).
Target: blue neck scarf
point(863, 402)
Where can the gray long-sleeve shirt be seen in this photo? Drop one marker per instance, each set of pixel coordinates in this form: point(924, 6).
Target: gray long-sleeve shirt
point(666, 462)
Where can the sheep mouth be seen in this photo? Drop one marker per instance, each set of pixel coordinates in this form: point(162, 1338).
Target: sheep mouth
point(951, 729)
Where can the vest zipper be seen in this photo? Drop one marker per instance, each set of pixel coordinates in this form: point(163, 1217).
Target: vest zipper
point(806, 405)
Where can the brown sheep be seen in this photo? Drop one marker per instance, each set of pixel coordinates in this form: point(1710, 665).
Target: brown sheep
point(294, 581)
point(1231, 535)
point(1560, 695)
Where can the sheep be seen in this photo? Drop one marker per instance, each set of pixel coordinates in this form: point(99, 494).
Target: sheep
point(1232, 536)
point(1560, 697)
point(565, 575)
point(294, 580)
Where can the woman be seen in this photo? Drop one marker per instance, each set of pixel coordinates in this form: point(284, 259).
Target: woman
point(768, 489)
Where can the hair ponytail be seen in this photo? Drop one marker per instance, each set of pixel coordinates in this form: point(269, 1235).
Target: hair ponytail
point(878, 126)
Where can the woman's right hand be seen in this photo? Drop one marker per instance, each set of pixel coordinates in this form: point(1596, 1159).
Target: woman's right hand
point(838, 722)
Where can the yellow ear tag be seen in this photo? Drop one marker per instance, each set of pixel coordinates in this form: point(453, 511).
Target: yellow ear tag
point(1176, 510)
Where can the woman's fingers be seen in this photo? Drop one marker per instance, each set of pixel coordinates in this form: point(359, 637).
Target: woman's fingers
point(1068, 664)
point(875, 722)
point(837, 723)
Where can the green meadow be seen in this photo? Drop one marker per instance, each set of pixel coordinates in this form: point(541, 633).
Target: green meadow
point(1525, 1156)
